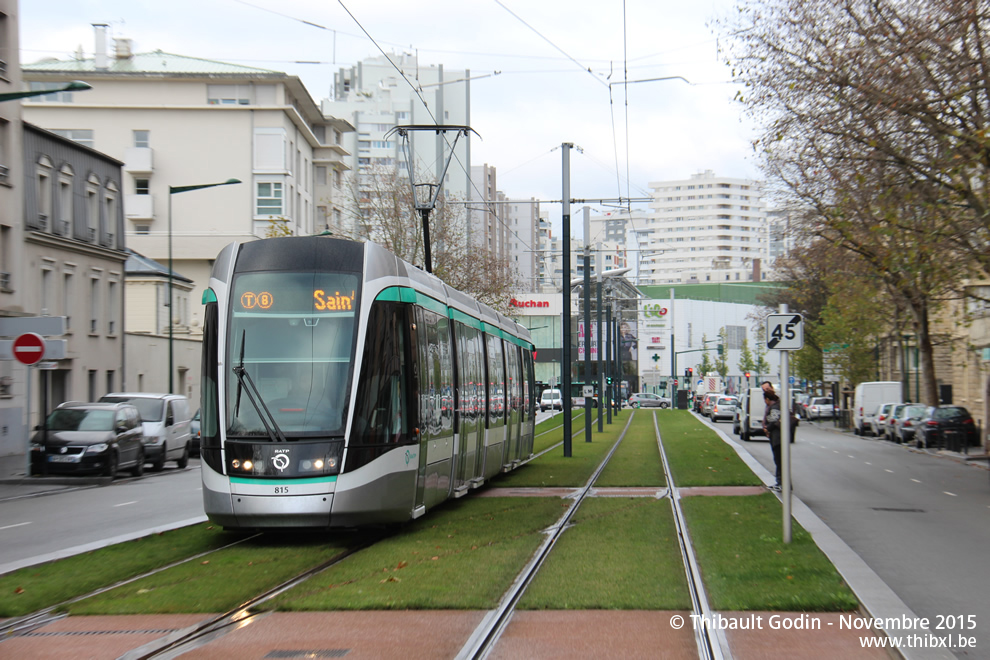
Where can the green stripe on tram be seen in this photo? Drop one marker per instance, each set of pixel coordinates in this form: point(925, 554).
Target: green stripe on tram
point(407, 295)
point(284, 482)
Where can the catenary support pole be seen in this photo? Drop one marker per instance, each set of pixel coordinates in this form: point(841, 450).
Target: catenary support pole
point(565, 355)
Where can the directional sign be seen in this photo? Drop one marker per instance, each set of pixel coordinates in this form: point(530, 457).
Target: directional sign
point(28, 348)
point(785, 332)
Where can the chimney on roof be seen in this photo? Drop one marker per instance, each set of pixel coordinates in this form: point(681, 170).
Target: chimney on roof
point(100, 53)
point(756, 271)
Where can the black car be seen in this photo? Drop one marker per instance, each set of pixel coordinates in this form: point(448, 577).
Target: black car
point(89, 437)
point(950, 427)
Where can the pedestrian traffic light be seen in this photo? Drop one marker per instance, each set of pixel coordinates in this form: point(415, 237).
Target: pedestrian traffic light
point(747, 374)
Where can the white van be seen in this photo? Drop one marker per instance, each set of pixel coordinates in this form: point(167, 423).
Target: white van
point(749, 418)
point(166, 423)
point(870, 396)
point(551, 400)
point(749, 414)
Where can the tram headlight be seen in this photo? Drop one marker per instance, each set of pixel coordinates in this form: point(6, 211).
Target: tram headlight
point(235, 464)
point(248, 465)
point(318, 464)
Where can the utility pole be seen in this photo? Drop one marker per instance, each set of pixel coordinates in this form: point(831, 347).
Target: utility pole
point(565, 359)
point(606, 395)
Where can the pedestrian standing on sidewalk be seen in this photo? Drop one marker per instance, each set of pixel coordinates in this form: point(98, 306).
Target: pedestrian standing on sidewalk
point(772, 423)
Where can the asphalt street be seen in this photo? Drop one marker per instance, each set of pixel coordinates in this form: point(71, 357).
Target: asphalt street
point(919, 519)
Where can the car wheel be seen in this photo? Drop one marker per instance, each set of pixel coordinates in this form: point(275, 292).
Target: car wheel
point(159, 463)
point(664, 405)
point(744, 436)
point(111, 469)
point(138, 468)
point(184, 459)
point(636, 405)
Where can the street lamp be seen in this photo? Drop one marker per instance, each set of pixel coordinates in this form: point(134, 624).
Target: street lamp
point(74, 86)
point(173, 190)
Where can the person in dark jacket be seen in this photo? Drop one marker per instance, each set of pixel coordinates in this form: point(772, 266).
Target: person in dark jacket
point(772, 422)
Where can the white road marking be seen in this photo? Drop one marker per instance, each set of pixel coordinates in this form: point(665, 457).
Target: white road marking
point(124, 504)
point(17, 525)
point(868, 463)
point(886, 470)
point(950, 494)
point(916, 481)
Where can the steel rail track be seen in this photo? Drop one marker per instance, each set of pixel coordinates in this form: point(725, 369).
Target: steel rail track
point(486, 635)
point(710, 645)
point(172, 646)
point(29, 622)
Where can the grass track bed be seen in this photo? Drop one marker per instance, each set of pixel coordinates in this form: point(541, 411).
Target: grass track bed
point(637, 460)
point(747, 566)
point(221, 580)
point(553, 469)
point(463, 556)
point(697, 456)
point(621, 553)
point(37, 587)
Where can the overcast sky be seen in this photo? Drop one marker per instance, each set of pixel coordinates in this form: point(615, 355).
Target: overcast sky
point(543, 95)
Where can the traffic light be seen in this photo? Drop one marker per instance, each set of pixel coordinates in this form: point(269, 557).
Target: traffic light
point(721, 349)
point(747, 375)
point(689, 372)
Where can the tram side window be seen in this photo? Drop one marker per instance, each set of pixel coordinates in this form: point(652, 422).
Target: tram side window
point(529, 379)
point(496, 382)
point(381, 417)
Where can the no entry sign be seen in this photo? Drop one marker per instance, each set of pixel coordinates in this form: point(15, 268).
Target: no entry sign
point(28, 348)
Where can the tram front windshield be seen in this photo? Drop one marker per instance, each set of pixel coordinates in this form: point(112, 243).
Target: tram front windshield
point(293, 334)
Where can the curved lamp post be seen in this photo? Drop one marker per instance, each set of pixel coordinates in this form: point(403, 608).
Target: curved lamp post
point(173, 190)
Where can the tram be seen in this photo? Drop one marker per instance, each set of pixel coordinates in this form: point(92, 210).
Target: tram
point(344, 387)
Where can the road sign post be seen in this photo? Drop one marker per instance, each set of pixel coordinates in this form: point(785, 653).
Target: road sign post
point(785, 332)
point(28, 348)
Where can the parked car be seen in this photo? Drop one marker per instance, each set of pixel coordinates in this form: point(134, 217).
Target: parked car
point(724, 408)
point(194, 434)
point(648, 400)
point(905, 421)
point(888, 424)
point(819, 407)
point(950, 427)
point(867, 399)
point(878, 420)
point(551, 399)
point(801, 405)
point(707, 402)
point(89, 437)
point(166, 419)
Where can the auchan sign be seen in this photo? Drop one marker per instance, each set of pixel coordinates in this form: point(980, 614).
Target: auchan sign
point(529, 303)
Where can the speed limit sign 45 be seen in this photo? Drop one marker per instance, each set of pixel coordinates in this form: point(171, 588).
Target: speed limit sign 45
point(785, 332)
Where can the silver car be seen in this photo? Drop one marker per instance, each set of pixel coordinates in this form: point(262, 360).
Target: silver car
point(724, 408)
point(648, 400)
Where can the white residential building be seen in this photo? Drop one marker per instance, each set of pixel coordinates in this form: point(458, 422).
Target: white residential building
point(379, 93)
point(706, 229)
point(182, 122)
point(523, 219)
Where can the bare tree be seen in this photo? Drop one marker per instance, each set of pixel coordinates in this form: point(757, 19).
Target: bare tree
point(384, 212)
point(874, 115)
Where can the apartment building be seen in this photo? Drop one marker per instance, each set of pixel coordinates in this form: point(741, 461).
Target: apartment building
point(379, 93)
point(706, 228)
point(182, 124)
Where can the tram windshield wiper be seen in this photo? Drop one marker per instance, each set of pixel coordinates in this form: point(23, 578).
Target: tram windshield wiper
point(244, 380)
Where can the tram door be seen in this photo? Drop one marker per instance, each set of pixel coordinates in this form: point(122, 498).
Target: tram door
point(436, 386)
point(470, 424)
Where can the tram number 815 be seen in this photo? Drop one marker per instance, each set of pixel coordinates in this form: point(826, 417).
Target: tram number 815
point(281, 490)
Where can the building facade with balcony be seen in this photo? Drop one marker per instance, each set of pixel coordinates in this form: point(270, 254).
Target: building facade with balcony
point(180, 121)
